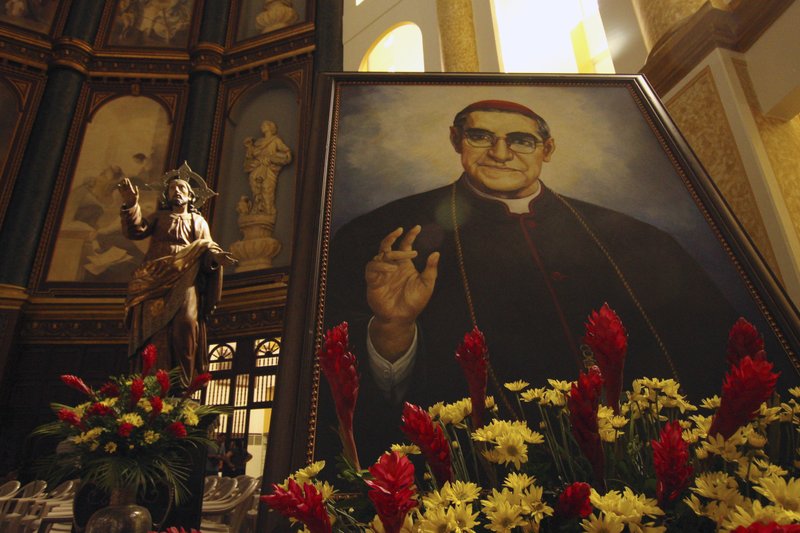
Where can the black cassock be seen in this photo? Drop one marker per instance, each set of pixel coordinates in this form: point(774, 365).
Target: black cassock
point(533, 279)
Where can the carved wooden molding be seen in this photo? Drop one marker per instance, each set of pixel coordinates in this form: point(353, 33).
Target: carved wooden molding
point(682, 49)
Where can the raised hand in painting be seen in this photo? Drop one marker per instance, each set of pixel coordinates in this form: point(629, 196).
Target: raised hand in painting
point(129, 193)
point(397, 292)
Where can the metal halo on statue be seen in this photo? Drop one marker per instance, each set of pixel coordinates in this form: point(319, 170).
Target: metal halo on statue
point(200, 189)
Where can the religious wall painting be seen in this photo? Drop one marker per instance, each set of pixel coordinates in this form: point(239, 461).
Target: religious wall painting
point(613, 168)
point(126, 137)
point(151, 23)
point(10, 112)
point(36, 15)
point(260, 17)
point(254, 213)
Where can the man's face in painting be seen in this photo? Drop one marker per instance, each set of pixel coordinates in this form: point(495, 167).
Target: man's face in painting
point(502, 152)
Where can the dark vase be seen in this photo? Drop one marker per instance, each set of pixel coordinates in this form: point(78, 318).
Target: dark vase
point(121, 516)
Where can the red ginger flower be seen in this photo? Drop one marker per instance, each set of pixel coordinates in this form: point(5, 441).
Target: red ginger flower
point(772, 527)
point(110, 390)
point(419, 428)
point(743, 340)
point(473, 356)
point(137, 390)
point(177, 429)
point(671, 461)
point(163, 380)
point(157, 404)
point(583, 403)
point(76, 383)
point(149, 355)
point(303, 504)
point(608, 340)
point(574, 501)
point(125, 429)
point(340, 367)
point(199, 381)
point(69, 416)
point(99, 409)
point(392, 490)
point(747, 385)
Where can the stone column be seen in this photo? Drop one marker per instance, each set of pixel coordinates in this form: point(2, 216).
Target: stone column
point(457, 32)
point(657, 18)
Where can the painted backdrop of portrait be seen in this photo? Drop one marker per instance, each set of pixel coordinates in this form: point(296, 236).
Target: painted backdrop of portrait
point(259, 17)
point(127, 137)
point(613, 221)
point(36, 15)
point(278, 104)
point(9, 116)
point(152, 23)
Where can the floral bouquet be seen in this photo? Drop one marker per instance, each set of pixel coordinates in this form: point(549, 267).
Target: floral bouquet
point(578, 456)
point(134, 432)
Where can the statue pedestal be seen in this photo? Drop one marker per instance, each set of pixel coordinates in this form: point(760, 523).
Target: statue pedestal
point(257, 248)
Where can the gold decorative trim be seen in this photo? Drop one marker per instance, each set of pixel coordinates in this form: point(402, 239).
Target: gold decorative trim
point(12, 296)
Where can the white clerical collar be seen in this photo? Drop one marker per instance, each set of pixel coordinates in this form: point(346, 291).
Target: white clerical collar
point(515, 205)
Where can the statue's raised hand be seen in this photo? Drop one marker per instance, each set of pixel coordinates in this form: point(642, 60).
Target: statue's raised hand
point(397, 292)
point(129, 193)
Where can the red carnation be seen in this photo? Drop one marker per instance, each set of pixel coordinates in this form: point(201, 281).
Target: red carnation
point(473, 356)
point(574, 501)
point(743, 340)
point(76, 383)
point(199, 381)
point(157, 404)
point(772, 527)
point(392, 489)
point(177, 429)
point(149, 355)
point(124, 429)
point(583, 403)
point(671, 461)
point(419, 428)
point(747, 385)
point(163, 380)
point(137, 390)
point(608, 340)
point(99, 409)
point(68, 416)
point(303, 504)
point(110, 390)
point(340, 367)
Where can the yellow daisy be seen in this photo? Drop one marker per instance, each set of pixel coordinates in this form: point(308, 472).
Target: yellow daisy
point(516, 386)
point(602, 524)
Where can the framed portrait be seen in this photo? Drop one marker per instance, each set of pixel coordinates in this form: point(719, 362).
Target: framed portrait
point(256, 18)
point(152, 24)
point(518, 205)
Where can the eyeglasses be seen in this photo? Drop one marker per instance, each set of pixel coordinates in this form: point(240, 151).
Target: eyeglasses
point(518, 142)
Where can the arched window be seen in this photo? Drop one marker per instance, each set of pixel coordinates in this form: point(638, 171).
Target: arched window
point(546, 36)
point(397, 50)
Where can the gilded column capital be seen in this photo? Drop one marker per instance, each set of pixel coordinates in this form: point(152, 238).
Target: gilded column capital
point(72, 53)
point(207, 57)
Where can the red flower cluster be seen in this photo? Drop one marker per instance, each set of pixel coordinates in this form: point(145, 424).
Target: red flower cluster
point(671, 462)
point(772, 527)
point(149, 355)
point(583, 403)
point(163, 380)
point(743, 340)
point(65, 415)
point(747, 385)
point(199, 381)
point(574, 501)
point(392, 490)
point(608, 340)
point(339, 365)
point(303, 504)
point(125, 429)
point(177, 429)
point(157, 404)
point(473, 356)
point(99, 409)
point(137, 390)
point(76, 383)
point(109, 390)
point(419, 428)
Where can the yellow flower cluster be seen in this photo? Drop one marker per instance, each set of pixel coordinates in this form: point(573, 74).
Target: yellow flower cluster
point(620, 509)
point(151, 436)
point(406, 449)
point(449, 509)
point(554, 396)
point(456, 413)
point(510, 440)
point(518, 504)
point(88, 437)
point(188, 414)
point(131, 418)
point(650, 396)
point(308, 475)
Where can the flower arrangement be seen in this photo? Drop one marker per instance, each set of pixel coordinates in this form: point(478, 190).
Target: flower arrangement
point(134, 432)
point(586, 455)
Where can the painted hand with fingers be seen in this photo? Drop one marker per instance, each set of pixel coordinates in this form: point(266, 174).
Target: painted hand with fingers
point(396, 291)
